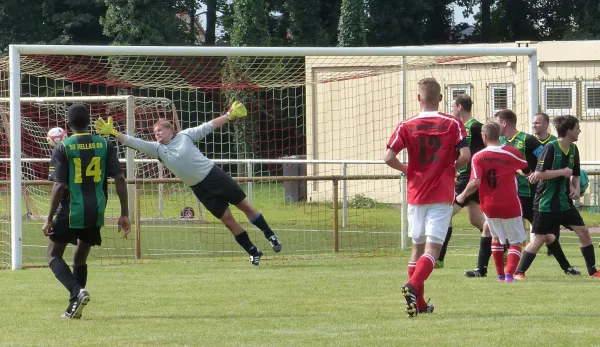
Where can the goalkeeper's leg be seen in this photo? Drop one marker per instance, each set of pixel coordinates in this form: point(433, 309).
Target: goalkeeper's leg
point(259, 221)
point(241, 236)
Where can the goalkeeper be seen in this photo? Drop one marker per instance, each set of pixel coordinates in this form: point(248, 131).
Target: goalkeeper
point(211, 185)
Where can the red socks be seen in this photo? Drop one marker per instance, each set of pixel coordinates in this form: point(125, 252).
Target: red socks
point(514, 256)
point(498, 254)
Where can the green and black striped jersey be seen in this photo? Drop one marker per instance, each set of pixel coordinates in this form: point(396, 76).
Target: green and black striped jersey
point(475, 143)
point(547, 139)
point(84, 162)
point(553, 195)
point(530, 148)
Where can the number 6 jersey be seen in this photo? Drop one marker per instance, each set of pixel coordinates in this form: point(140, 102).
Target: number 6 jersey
point(496, 167)
point(431, 140)
point(84, 162)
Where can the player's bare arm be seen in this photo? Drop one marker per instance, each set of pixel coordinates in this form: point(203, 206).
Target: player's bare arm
point(550, 174)
point(391, 159)
point(463, 158)
point(575, 188)
point(121, 188)
point(58, 191)
point(471, 188)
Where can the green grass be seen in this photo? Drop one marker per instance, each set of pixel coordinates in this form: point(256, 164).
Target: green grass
point(320, 302)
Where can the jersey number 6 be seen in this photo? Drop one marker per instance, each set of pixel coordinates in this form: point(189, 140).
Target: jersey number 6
point(91, 170)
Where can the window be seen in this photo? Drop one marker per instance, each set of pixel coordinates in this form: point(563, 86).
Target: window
point(501, 97)
point(591, 101)
point(560, 97)
point(454, 90)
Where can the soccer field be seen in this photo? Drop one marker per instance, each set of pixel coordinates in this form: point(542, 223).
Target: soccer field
point(332, 302)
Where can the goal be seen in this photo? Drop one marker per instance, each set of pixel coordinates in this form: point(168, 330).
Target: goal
point(308, 155)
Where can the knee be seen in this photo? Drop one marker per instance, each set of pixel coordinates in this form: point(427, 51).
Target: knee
point(51, 259)
point(227, 218)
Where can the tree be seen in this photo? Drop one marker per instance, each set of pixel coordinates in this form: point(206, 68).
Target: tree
point(145, 22)
point(51, 22)
point(211, 22)
point(351, 29)
point(305, 24)
point(249, 23)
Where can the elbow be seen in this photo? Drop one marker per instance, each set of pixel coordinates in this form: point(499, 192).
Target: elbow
point(60, 186)
point(119, 179)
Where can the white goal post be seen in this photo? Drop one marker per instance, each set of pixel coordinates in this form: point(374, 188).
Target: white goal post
point(17, 51)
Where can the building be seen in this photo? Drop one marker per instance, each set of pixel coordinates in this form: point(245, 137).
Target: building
point(354, 103)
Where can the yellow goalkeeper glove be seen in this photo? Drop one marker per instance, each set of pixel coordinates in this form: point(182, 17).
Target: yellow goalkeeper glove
point(237, 110)
point(105, 128)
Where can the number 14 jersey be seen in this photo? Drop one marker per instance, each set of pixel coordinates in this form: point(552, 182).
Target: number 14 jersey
point(496, 167)
point(431, 140)
point(84, 162)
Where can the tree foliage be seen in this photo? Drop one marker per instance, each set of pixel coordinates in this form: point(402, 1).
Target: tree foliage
point(145, 22)
point(351, 29)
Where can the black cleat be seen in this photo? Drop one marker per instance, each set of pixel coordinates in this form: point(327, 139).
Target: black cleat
point(75, 308)
point(255, 259)
point(410, 295)
point(476, 273)
point(428, 309)
point(275, 243)
point(572, 271)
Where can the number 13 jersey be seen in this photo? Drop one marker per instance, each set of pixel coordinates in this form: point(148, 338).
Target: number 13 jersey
point(496, 167)
point(84, 162)
point(431, 140)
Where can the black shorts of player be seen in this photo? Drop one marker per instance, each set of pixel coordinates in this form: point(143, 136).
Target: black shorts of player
point(64, 234)
point(217, 190)
point(527, 208)
point(461, 184)
point(549, 222)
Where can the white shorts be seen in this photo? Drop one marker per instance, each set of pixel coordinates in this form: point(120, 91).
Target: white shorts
point(429, 223)
point(510, 229)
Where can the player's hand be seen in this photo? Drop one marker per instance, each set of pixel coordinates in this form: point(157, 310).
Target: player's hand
point(460, 198)
point(567, 172)
point(105, 128)
point(237, 110)
point(574, 194)
point(47, 228)
point(533, 178)
point(124, 225)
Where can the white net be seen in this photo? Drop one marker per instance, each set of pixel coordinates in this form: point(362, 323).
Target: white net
point(334, 113)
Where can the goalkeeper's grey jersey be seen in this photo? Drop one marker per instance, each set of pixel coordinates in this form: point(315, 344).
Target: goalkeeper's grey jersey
point(180, 155)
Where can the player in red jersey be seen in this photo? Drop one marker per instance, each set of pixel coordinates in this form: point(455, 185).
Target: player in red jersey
point(494, 174)
point(432, 140)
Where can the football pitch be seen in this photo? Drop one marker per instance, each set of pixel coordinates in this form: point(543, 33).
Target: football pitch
point(320, 302)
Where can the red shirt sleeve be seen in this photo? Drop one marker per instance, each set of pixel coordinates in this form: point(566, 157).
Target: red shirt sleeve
point(397, 142)
point(517, 159)
point(476, 169)
point(462, 131)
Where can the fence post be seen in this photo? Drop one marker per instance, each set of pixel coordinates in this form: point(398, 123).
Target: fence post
point(344, 196)
point(138, 218)
point(336, 246)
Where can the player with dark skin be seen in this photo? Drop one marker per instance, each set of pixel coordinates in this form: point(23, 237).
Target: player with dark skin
point(79, 167)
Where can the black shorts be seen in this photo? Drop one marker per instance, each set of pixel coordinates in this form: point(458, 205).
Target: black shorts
point(549, 222)
point(64, 234)
point(461, 184)
point(217, 190)
point(527, 207)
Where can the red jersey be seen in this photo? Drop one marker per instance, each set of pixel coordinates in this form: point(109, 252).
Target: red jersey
point(496, 166)
point(431, 140)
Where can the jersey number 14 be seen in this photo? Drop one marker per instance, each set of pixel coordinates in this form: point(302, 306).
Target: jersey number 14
point(92, 170)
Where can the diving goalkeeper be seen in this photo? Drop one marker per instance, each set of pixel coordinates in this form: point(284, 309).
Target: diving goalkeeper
point(212, 186)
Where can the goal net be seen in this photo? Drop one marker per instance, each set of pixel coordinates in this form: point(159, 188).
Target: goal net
point(322, 118)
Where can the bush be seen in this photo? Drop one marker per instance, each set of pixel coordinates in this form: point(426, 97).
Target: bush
point(361, 201)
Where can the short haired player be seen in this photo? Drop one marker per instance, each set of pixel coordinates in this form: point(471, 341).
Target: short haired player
point(493, 173)
point(432, 140)
point(211, 185)
point(80, 166)
point(461, 108)
point(558, 182)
